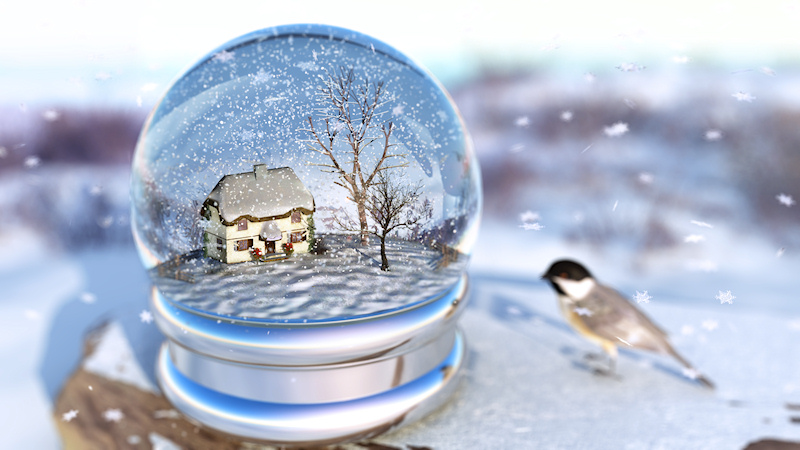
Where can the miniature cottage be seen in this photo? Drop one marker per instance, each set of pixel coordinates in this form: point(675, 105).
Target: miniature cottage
point(257, 213)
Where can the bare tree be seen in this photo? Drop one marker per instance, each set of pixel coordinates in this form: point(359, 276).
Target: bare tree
point(353, 114)
point(391, 205)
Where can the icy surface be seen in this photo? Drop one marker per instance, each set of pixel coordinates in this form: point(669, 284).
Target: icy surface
point(344, 282)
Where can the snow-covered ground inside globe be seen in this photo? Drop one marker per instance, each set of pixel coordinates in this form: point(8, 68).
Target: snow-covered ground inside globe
point(312, 287)
point(526, 384)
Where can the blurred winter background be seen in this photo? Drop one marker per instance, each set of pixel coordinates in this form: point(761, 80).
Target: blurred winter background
point(659, 144)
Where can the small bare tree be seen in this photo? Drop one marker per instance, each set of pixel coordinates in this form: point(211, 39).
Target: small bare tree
point(353, 113)
point(391, 205)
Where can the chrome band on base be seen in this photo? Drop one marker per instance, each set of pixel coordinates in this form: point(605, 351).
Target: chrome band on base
point(312, 424)
point(311, 383)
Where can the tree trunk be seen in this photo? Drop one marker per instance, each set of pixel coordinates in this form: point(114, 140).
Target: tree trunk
point(384, 259)
point(362, 219)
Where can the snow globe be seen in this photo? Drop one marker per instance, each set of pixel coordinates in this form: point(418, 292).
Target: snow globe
point(305, 199)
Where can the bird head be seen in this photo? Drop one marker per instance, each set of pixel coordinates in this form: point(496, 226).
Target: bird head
point(565, 271)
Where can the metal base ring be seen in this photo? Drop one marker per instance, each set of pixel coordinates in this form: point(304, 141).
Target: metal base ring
point(312, 423)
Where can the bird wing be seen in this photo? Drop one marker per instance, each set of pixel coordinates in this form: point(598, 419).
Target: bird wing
point(613, 317)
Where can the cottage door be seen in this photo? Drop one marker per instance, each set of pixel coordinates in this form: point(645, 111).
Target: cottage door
point(270, 247)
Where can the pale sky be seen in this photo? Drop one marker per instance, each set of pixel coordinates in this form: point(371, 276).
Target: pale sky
point(62, 49)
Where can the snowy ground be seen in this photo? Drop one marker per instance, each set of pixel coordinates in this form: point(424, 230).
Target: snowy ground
point(527, 385)
point(308, 287)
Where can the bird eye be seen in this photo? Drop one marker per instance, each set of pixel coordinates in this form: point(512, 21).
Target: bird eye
point(563, 275)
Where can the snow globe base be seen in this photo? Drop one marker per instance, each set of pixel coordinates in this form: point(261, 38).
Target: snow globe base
point(318, 383)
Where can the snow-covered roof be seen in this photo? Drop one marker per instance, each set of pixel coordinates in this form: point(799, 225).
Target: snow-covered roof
point(260, 194)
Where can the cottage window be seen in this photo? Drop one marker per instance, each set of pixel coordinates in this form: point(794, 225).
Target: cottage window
point(244, 245)
point(242, 224)
point(220, 244)
point(296, 217)
point(297, 236)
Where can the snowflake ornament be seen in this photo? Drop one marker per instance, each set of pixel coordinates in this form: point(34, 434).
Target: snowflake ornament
point(642, 297)
point(725, 297)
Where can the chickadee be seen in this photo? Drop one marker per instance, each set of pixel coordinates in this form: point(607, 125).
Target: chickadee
point(603, 316)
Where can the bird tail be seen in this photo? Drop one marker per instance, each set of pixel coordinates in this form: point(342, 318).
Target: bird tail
point(691, 371)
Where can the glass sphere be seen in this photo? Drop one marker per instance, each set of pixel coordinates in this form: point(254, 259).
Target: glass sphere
point(304, 173)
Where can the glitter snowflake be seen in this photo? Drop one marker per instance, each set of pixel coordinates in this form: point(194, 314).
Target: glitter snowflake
point(146, 316)
point(785, 199)
point(616, 130)
point(725, 297)
point(69, 415)
point(113, 415)
point(583, 312)
point(260, 77)
point(642, 297)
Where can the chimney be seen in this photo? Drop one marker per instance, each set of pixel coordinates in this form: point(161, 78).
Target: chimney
point(260, 170)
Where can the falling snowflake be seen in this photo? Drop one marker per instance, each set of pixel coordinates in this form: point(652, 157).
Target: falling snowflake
point(743, 97)
point(516, 148)
point(69, 415)
point(535, 226)
point(646, 178)
point(530, 216)
point(566, 116)
point(616, 203)
point(701, 224)
point(785, 199)
point(32, 162)
point(768, 71)
point(710, 324)
point(398, 110)
point(223, 56)
point(630, 67)
point(680, 59)
point(642, 297)
point(589, 77)
point(616, 130)
point(102, 76)
point(113, 415)
point(522, 121)
point(583, 312)
point(780, 252)
point(691, 374)
point(629, 103)
point(51, 115)
point(725, 297)
point(687, 330)
point(88, 298)
point(146, 316)
point(148, 87)
point(3, 152)
point(32, 314)
point(694, 238)
point(713, 135)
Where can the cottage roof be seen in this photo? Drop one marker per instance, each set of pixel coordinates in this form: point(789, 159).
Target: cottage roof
point(260, 194)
